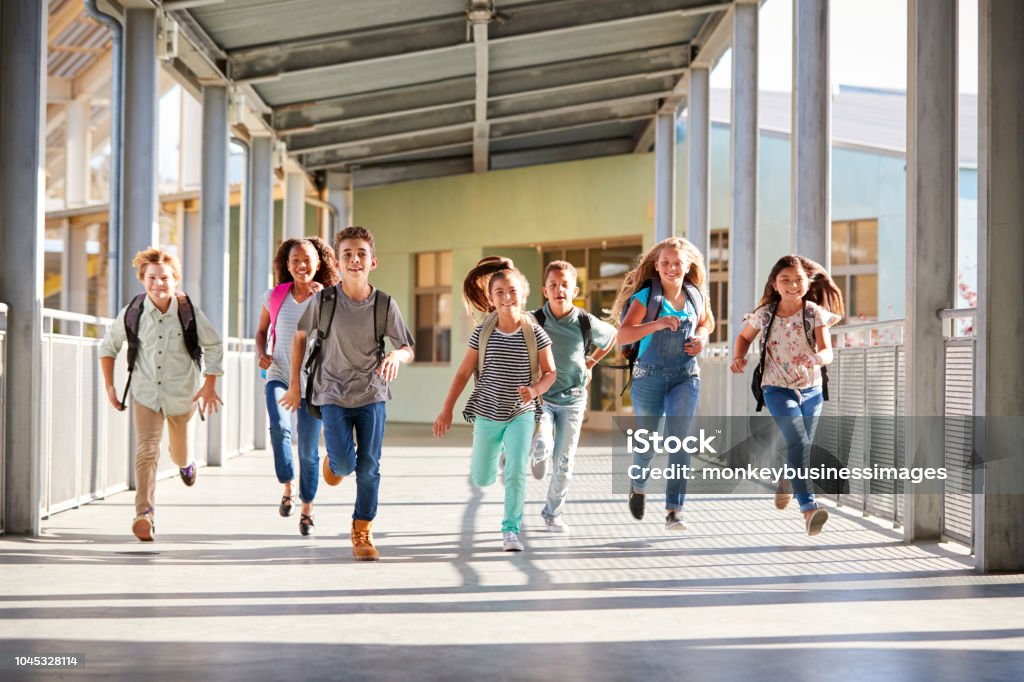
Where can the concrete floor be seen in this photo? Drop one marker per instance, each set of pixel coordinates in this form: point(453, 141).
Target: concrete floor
point(230, 591)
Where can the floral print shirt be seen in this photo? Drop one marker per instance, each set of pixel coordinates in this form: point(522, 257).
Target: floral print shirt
point(788, 339)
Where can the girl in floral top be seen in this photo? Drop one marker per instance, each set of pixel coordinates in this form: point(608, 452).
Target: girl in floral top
point(800, 301)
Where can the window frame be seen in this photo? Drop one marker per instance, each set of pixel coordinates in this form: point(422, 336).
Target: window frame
point(436, 291)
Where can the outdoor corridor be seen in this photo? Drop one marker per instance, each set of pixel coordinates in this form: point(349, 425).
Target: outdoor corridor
point(230, 590)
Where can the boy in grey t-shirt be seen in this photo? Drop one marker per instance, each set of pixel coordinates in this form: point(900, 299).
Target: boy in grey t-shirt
point(351, 386)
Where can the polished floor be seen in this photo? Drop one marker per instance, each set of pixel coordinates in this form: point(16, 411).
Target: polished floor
point(231, 591)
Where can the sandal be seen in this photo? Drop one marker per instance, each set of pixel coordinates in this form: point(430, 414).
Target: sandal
point(305, 523)
point(285, 508)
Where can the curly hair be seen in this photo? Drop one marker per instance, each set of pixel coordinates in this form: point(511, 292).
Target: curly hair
point(356, 232)
point(326, 274)
point(636, 278)
point(476, 288)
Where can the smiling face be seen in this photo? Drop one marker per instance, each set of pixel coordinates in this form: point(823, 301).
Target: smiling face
point(160, 283)
point(671, 265)
point(303, 262)
point(355, 256)
point(560, 289)
point(791, 283)
point(506, 294)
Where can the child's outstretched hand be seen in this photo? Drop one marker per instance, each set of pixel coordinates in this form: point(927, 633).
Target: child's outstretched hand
point(738, 365)
point(291, 400)
point(389, 367)
point(442, 424)
point(209, 401)
point(114, 400)
point(315, 287)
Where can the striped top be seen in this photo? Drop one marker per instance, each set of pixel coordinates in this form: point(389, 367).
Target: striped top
point(506, 368)
point(287, 323)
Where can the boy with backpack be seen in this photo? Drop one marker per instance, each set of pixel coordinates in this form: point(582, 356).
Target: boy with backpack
point(349, 374)
point(168, 341)
point(573, 332)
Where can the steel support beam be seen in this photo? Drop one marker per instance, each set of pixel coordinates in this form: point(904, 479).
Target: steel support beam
point(259, 259)
point(339, 195)
point(743, 173)
point(665, 177)
point(932, 169)
point(213, 219)
point(78, 148)
point(698, 161)
point(481, 128)
point(999, 371)
point(810, 213)
point(294, 205)
point(142, 85)
point(22, 203)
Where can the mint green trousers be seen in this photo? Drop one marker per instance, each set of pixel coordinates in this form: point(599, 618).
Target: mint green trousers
point(488, 438)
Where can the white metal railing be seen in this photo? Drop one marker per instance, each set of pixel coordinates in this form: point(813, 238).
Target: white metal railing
point(958, 433)
point(86, 444)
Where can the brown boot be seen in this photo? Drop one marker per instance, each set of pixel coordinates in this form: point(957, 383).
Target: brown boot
point(362, 541)
point(783, 495)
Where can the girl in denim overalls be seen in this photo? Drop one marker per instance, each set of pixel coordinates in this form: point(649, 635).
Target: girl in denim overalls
point(666, 378)
point(800, 296)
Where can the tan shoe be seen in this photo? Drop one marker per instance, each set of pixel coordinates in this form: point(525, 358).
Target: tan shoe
point(784, 495)
point(330, 478)
point(362, 541)
point(814, 519)
point(142, 526)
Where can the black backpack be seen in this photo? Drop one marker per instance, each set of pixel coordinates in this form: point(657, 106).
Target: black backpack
point(328, 303)
point(187, 319)
point(583, 320)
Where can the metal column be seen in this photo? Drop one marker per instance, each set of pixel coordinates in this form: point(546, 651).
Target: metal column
point(339, 194)
point(665, 176)
point(294, 205)
point(213, 218)
point(999, 373)
point(259, 269)
point(811, 144)
point(931, 240)
point(698, 145)
point(743, 147)
point(22, 169)
point(78, 270)
point(78, 146)
point(140, 229)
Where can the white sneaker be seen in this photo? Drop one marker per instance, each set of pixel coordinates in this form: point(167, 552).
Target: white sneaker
point(674, 522)
point(510, 542)
point(539, 467)
point(556, 525)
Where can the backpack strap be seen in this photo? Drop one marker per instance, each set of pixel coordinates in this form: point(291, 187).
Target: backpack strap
point(277, 298)
point(539, 315)
point(187, 318)
point(486, 329)
point(764, 352)
point(530, 335)
point(586, 330)
point(131, 330)
point(654, 300)
point(328, 302)
point(380, 326)
point(808, 320)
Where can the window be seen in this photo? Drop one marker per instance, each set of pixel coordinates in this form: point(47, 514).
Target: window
point(855, 266)
point(718, 283)
point(433, 307)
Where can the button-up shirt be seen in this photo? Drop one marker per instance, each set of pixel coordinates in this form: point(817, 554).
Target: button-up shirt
point(165, 377)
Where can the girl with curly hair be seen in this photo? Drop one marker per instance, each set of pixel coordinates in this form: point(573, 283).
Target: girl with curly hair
point(302, 267)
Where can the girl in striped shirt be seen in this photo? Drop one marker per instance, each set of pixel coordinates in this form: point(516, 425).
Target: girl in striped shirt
point(511, 358)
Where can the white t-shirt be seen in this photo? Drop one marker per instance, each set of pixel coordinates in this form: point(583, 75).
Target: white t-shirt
point(284, 331)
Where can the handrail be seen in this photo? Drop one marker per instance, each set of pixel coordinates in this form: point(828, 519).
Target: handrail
point(76, 317)
point(858, 327)
point(957, 313)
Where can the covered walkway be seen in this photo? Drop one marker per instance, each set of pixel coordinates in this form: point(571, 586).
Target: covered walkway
point(231, 591)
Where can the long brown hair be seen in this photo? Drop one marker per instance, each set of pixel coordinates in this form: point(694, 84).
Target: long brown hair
point(326, 274)
point(476, 288)
point(822, 289)
point(636, 278)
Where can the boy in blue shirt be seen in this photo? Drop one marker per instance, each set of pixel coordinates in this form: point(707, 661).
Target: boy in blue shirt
point(565, 403)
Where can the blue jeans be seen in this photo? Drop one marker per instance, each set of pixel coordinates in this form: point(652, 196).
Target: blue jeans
point(362, 455)
point(671, 394)
point(795, 412)
point(281, 442)
point(558, 435)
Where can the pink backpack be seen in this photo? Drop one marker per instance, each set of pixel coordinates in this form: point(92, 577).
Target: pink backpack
point(277, 297)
